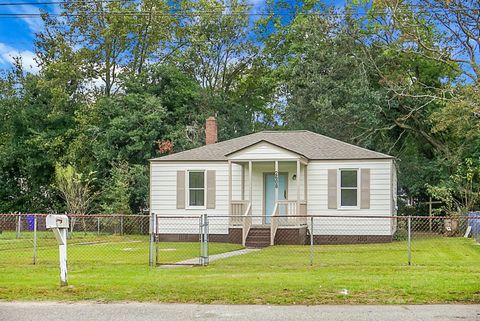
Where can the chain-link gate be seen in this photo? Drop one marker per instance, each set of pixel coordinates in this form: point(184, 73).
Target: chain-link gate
point(179, 240)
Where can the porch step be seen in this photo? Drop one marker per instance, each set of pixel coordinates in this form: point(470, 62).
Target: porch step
point(258, 237)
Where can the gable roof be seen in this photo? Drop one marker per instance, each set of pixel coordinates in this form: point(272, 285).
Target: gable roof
point(258, 143)
point(303, 142)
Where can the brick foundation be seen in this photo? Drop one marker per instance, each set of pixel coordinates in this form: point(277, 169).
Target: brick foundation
point(284, 236)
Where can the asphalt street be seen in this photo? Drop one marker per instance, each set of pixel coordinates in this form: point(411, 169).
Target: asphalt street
point(51, 311)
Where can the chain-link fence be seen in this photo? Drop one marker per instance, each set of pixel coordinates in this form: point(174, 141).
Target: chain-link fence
point(266, 242)
point(318, 240)
point(92, 240)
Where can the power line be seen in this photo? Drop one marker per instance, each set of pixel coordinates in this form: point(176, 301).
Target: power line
point(11, 4)
point(172, 12)
point(381, 10)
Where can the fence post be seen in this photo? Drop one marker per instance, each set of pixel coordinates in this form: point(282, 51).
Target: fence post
point(152, 237)
point(311, 240)
point(157, 241)
point(205, 252)
point(19, 224)
point(200, 240)
point(34, 239)
point(203, 231)
point(409, 240)
point(121, 225)
point(98, 225)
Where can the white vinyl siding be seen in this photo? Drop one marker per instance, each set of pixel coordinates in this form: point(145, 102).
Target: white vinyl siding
point(163, 194)
point(380, 199)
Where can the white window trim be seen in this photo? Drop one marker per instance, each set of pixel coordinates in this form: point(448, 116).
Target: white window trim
point(187, 190)
point(339, 189)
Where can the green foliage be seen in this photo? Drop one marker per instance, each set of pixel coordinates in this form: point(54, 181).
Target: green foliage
point(37, 119)
point(116, 192)
point(75, 188)
point(461, 191)
point(119, 79)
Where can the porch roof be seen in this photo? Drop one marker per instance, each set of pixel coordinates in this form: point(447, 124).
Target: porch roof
point(310, 145)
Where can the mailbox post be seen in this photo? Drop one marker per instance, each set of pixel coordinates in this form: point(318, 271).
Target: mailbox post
point(59, 225)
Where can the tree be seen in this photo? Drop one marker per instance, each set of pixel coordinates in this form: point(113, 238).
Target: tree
point(116, 193)
point(36, 129)
point(159, 104)
point(75, 188)
point(460, 193)
point(444, 31)
point(107, 39)
point(325, 81)
point(219, 50)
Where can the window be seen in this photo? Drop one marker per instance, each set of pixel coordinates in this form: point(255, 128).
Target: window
point(348, 188)
point(196, 188)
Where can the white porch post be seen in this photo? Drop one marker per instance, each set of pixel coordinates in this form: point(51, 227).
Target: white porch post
point(298, 187)
point(250, 192)
point(276, 182)
point(243, 181)
point(230, 188)
point(305, 184)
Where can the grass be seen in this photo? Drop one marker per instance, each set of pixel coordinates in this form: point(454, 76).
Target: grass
point(114, 268)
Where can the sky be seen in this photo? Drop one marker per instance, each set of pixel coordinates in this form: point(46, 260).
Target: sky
point(17, 33)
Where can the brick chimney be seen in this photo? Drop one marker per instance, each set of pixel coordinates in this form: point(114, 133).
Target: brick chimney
point(211, 131)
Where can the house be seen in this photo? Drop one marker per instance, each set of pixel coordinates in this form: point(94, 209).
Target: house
point(260, 189)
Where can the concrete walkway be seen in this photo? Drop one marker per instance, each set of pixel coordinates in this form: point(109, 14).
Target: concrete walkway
point(47, 311)
point(211, 258)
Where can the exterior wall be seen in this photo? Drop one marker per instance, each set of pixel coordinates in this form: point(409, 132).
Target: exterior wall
point(163, 191)
point(393, 169)
point(380, 199)
point(163, 176)
point(382, 195)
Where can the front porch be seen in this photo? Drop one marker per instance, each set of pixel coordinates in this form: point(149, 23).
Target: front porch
point(268, 201)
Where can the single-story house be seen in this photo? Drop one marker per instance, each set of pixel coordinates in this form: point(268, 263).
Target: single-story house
point(260, 189)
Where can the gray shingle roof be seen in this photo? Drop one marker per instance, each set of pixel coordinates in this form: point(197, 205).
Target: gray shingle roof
point(308, 144)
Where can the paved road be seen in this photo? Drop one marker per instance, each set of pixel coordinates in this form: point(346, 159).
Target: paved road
point(23, 311)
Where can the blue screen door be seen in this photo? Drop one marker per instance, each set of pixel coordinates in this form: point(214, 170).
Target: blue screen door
point(270, 193)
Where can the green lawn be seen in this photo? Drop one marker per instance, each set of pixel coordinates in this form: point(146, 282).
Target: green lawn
point(111, 268)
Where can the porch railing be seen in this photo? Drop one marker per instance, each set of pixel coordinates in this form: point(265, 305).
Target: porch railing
point(247, 223)
point(274, 221)
point(238, 209)
point(294, 215)
point(285, 213)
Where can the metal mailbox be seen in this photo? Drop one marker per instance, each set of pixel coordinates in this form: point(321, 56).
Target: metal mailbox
point(57, 221)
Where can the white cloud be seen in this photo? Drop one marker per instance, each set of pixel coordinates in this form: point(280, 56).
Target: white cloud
point(256, 2)
point(34, 23)
point(7, 55)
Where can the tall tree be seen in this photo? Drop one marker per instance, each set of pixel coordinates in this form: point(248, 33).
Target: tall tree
point(220, 51)
point(36, 129)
